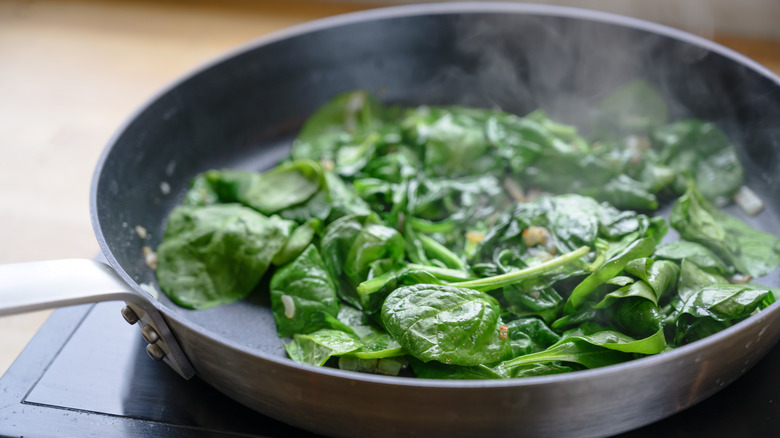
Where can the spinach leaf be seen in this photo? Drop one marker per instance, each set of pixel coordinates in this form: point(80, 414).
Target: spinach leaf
point(300, 238)
point(572, 220)
point(714, 308)
point(377, 343)
point(303, 296)
point(201, 191)
point(748, 250)
point(284, 186)
point(570, 165)
point(376, 249)
point(343, 200)
point(390, 366)
point(518, 140)
point(639, 248)
point(216, 254)
point(355, 248)
point(372, 292)
point(692, 279)
point(359, 343)
point(529, 335)
point(695, 253)
point(638, 317)
point(438, 370)
point(447, 324)
point(343, 120)
point(586, 351)
point(527, 300)
point(453, 139)
point(317, 347)
point(591, 346)
point(660, 275)
point(634, 307)
point(699, 150)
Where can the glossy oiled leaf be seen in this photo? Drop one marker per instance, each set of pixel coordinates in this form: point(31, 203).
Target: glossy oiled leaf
point(372, 293)
point(593, 347)
point(454, 140)
point(316, 348)
point(529, 335)
point(376, 249)
point(447, 324)
point(574, 349)
point(282, 187)
point(216, 254)
point(748, 250)
point(303, 296)
point(300, 238)
point(637, 249)
point(660, 275)
point(355, 248)
point(344, 119)
point(714, 308)
point(377, 343)
point(637, 317)
point(693, 252)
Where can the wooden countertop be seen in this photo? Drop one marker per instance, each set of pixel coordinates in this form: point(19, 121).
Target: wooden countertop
point(72, 71)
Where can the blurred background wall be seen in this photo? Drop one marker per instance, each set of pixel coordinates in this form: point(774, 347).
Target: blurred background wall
point(755, 18)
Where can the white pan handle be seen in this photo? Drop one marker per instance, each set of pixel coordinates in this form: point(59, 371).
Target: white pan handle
point(26, 287)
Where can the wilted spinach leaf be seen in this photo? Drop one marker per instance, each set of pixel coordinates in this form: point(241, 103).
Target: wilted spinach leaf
point(282, 187)
point(448, 324)
point(699, 150)
point(303, 296)
point(714, 308)
point(695, 253)
point(216, 254)
point(748, 250)
point(343, 120)
point(317, 347)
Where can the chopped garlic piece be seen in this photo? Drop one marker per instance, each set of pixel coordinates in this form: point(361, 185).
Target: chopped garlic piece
point(748, 201)
point(289, 306)
point(150, 257)
point(141, 231)
point(535, 235)
point(475, 236)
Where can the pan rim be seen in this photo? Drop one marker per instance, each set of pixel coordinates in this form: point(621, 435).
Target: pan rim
point(384, 13)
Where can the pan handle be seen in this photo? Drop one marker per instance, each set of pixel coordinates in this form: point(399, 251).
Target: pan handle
point(26, 287)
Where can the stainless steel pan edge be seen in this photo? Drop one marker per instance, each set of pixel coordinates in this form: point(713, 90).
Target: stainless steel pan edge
point(590, 403)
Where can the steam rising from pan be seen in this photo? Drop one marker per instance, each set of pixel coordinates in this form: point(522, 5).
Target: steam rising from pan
point(560, 65)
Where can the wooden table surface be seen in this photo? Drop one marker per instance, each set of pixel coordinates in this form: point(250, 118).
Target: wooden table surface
point(72, 71)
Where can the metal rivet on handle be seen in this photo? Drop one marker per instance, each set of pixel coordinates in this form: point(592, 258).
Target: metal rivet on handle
point(149, 334)
point(155, 352)
point(129, 314)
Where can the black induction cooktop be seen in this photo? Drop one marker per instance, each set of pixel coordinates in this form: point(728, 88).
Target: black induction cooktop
point(86, 373)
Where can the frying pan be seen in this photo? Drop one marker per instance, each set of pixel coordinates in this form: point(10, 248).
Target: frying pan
point(242, 111)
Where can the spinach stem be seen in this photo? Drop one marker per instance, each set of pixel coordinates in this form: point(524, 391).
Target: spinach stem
point(498, 281)
point(445, 274)
point(438, 251)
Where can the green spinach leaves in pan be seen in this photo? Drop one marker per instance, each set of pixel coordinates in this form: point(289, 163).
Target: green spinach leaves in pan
point(464, 243)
